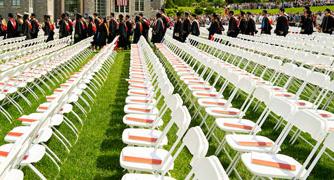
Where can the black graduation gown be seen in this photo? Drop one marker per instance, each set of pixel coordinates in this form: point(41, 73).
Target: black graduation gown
point(26, 29)
point(90, 31)
point(102, 34)
point(158, 31)
point(138, 31)
point(11, 30)
point(178, 29)
point(63, 32)
point(186, 28)
point(243, 26)
point(129, 33)
point(306, 24)
point(122, 31)
point(48, 31)
point(214, 29)
point(35, 28)
point(327, 24)
point(78, 31)
point(282, 26)
point(251, 28)
point(146, 27)
point(233, 29)
point(112, 30)
point(265, 26)
point(195, 28)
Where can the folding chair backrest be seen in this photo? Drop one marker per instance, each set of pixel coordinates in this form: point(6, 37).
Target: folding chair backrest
point(288, 68)
point(196, 142)
point(282, 107)
point(167, 89)
point(174, 101)
point(262, 94)
point(301, 73)
point(246, 85)
point(182, 118)
point(309, 123)
point(319, 79)
point(208, 168)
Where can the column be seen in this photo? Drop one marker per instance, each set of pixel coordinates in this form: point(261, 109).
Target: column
point(108, 7)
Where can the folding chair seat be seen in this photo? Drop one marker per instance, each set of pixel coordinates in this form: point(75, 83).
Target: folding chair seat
point(159, 160)
point(31, 118)
point(14, 174)
point(16, 133)
point(140, 109)
point(143, 137)
point(224, 112)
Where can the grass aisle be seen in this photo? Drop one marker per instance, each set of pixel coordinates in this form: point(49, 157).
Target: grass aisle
point(96, 154)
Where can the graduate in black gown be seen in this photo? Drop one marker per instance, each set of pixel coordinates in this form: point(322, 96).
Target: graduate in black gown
point(282, 24)
point(158, 29)
point(306, 23)
point(26, 27)
point(146, 25)
point(64, 27)
point(243, 23)
point(91, 27)
point(195, 25)
point(233, 29)
point(35, 26)
point(251, 28)
point(48, 28)
point(11, 26)
point(186, 26)
point(78, 29)
point(103, 33)
point(129, 31)
point(327, 25)
point(122, 31)
point(214, 27)
point(112, 28)
point(138, 31)
point(178, 28)
point(265, 24)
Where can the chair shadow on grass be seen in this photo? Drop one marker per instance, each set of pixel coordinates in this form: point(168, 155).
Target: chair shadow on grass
point(112, 144)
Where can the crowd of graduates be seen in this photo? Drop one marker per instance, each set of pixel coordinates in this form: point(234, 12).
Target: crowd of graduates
point(24, 25)
point(130, 29)
point(245, 24)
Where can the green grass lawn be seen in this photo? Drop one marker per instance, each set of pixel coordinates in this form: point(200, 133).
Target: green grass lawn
point(96, 154)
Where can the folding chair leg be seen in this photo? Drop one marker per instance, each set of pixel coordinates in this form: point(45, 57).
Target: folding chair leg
point(53, 160)
point(37, 172)
point(6, 114)
point(61, 141)
point(52, 153)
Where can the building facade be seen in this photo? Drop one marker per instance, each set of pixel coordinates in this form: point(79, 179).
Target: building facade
point(56, 7)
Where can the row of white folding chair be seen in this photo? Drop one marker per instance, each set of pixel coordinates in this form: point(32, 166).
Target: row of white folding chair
point(273, 106)
point(23, 44)
point(303, 58)
point(27, 56)
point(14, 55)
point(292, 42)
point(276, 108)
point(132, 157)
point(177, 117)
point(50, 68)
point(319, 80)
point(307, 76)
point(40, 126)
point(11, 40)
